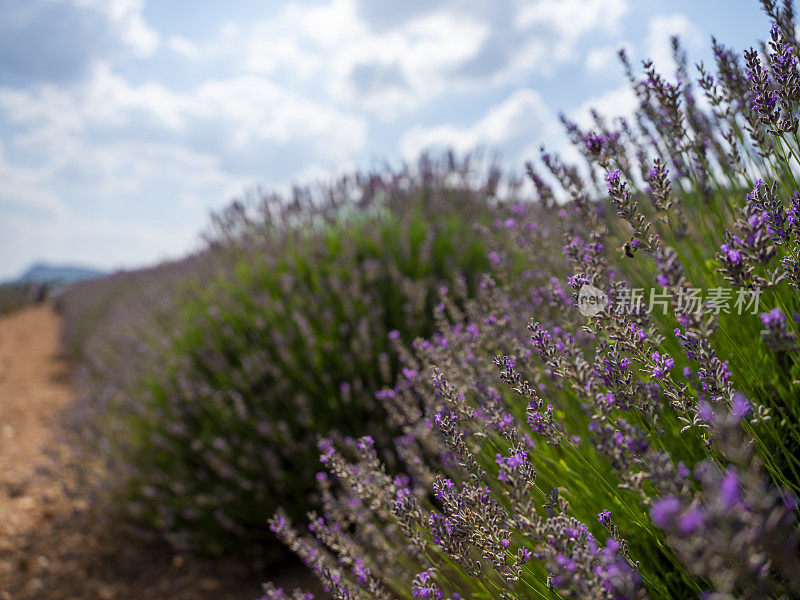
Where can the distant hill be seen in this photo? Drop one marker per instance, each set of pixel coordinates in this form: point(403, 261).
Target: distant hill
point(46, 273)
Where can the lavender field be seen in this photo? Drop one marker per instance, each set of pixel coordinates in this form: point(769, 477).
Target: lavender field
point(442, 380)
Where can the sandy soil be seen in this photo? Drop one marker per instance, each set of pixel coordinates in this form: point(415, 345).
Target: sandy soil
point(52, 543)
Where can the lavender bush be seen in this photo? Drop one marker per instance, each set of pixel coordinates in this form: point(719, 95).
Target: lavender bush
point(643, 444)
point(289, 335)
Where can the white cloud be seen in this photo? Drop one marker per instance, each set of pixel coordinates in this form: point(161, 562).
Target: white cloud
point(381, 71)
point(126, 17)
point(402, 69)
point(388, 68)
point(567, 21)
point(573, 17)
point(59, 41)
point(183, 47)
point(659, 31)
point(136, 149)
point(517, 126)
point(25, 188)
point(241, 111)
point(331, 24)
point(619, 102)
point(603, 58)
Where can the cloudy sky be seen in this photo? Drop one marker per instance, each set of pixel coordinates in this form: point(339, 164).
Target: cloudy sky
point(124, 122)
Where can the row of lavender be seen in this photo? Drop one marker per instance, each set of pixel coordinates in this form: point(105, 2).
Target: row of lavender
point(648, 448)
point(207, 381)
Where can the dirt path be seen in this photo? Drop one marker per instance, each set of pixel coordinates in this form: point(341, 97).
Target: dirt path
point(34, 384)
point(53, 544)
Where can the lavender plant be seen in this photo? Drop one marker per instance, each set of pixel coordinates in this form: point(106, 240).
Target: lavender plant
point(289, 336)
point(645, 448)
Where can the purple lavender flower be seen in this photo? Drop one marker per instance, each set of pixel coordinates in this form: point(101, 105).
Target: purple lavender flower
point(664, 510)
point(773, 319)
point(776, 333)
point(425, 588)
point(613, 179)
point(729, 489)
point(731, 255)
point(662, 364)
point(691, 521)
point(705, 412)
point(740, 406)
